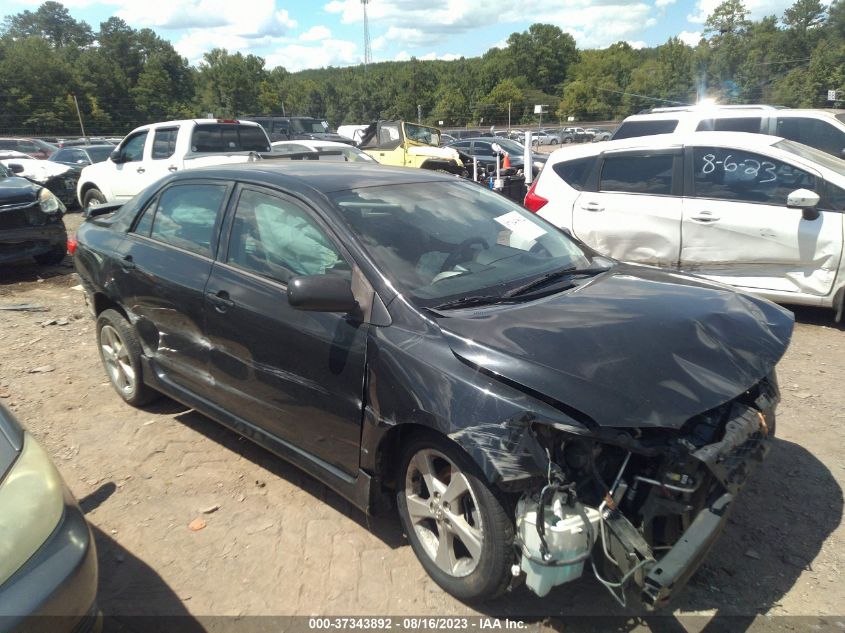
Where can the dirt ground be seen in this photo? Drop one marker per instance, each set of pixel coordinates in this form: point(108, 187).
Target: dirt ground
point(277, 542)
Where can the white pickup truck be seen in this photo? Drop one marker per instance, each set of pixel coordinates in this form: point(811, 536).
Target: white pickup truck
point(153, 151)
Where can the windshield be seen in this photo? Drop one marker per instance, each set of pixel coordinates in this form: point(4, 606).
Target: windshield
point(309, 126)
point(99, 154)
point(422, 134)
point(443, 240)
point(841, 116)
point(812, 154)
point(511, 147)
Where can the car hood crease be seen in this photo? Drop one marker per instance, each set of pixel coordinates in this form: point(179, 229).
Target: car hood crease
point(635, 347)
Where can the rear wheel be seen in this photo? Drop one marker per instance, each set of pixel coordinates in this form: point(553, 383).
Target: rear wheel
point(458, 529)
point(120, 352)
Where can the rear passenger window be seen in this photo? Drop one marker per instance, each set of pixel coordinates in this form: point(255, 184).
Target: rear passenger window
point(638, 174)
point(276, 238)
point(735, 124)
point(728, 174)
point(186, 215)
point(632, 129)
point(164, 142)
point(574, 172)
point(813, 132)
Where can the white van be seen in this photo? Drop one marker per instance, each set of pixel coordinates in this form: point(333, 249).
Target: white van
point(822, 129)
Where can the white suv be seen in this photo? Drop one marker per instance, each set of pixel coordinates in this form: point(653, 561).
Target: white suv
point(822, 129)
point(754, 211)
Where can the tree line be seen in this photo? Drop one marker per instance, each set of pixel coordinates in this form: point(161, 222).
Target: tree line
point(122, 77)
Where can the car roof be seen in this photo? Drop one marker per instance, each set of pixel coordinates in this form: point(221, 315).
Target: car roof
point(91, 146)
point(312, 143)
point(741, 140)
point(313, 176)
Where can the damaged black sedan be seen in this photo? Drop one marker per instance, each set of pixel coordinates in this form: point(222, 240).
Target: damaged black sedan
point(537, 411)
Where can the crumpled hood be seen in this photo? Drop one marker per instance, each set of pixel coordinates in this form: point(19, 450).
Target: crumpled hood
point(633, 347)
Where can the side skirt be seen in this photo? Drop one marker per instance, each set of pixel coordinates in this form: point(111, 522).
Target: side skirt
point(358, 490)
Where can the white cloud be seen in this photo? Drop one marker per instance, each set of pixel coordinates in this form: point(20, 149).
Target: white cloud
point(329, 52)
point(662, 4)
point(261, 18)
point(756, 8)
point(401, 56)
point(316, 33)
point(690, 38)
point(637, 44)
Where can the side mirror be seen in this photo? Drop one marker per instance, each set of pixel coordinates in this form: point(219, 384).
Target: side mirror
point(16, 168)
point(803, 199)
point(321, 293)
point(116, 157)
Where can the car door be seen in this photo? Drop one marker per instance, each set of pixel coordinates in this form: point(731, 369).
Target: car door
point(297, 375)
point(129, 176)
point(163, 266)
point(737, 228)
point(162, 153)
point(634, 212)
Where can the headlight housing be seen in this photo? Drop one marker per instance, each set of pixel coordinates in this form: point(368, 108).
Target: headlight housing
point(49, 203)
point(31, 506)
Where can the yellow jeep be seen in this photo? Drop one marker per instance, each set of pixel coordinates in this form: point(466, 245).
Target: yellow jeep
point(404, 144)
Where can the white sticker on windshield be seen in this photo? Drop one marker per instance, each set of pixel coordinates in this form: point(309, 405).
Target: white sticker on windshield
point(520, 226)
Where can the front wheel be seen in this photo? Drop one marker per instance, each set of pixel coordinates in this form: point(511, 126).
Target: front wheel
point(458, 529)
point(92, 198)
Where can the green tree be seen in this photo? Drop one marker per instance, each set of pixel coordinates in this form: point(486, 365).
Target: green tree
point(542, 54)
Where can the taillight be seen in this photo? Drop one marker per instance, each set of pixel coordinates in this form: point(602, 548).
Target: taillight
point(71, 245)
point(533, 202)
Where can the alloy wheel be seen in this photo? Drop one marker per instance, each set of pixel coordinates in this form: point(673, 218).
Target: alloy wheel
point(444, 512)
point(117, 360)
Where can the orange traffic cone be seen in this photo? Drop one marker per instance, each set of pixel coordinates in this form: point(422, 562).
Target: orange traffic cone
point(506, 163)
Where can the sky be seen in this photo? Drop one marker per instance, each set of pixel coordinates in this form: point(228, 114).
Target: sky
point(317, 33)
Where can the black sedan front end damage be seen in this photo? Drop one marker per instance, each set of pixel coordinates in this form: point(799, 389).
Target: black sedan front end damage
point(642, 507)
point(30, 221)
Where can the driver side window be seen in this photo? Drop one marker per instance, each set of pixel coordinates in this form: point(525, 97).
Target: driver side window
point(276, 238)
point(728, 174)
point(133, 149)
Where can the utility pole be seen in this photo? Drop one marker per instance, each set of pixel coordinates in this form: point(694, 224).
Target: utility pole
point(419, 114)
point(79, 114)
point(368, 53)
point(509, 117)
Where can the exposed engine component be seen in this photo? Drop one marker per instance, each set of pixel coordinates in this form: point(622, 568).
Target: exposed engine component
point(556, 540)
point(665, 505)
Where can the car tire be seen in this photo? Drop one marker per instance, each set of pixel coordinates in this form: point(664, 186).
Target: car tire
point(54, 256)
point(92, 198)
point(554, 141)
point(567, 141)
point(462, 535)
point(120, 352)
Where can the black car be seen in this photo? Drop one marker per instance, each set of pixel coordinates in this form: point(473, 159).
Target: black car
point(30, 221)
point(482, 150)
point(82, 155)
point(48, 560)
point(402, 333)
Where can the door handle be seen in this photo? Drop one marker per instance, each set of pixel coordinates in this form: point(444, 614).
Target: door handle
point(220, 300)
point(592, 206)
point(173, 168)
point(127, 264)
point(705, 217)
point(140, 170)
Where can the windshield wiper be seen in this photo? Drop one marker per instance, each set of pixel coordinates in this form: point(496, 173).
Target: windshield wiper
point(544, 279)
point(466, 302)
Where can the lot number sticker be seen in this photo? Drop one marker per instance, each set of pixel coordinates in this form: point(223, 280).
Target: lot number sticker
point(520, 226)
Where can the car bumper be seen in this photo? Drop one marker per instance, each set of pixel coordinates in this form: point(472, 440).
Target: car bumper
point(26, 242)
point(56, 589)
